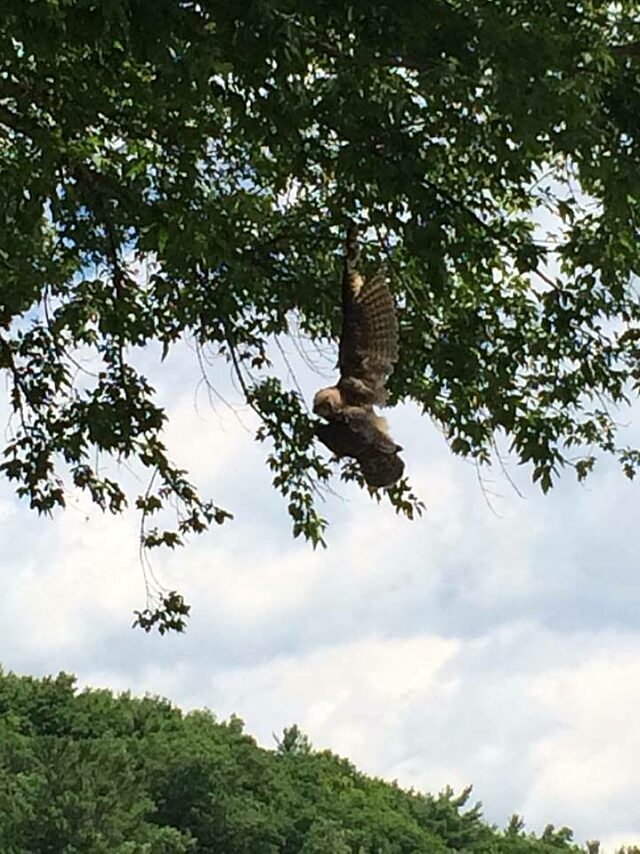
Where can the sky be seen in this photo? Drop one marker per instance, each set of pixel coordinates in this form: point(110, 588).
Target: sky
point(494, 642)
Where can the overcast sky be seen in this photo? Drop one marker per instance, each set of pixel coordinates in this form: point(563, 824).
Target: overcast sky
point(494, 645)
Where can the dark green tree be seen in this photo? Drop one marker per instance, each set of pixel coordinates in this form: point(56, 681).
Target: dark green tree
point(105, 774)
point(490, 148)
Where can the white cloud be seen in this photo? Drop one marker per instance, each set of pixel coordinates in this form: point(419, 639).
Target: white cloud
point(71, 582)
point(589, 764)
point(463, 648)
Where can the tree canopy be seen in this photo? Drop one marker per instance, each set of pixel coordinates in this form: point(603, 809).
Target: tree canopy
point(489, 149)
point(89, 772)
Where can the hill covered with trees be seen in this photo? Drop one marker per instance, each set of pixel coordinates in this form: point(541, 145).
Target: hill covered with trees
point(88, 772)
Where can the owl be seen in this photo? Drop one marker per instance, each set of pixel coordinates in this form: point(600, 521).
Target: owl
point(368, 351)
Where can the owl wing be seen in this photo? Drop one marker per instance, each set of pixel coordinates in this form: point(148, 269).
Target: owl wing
point(353, 434)
point(381, 469)
point(369, 341)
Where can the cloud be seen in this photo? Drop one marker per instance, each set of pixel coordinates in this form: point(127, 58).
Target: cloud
point(531, 717)
point(589, 764)
point(466, 647)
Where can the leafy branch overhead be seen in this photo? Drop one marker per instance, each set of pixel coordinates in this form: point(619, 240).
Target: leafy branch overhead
point(490, 148)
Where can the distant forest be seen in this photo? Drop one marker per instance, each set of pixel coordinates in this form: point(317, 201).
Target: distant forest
point(87, 771)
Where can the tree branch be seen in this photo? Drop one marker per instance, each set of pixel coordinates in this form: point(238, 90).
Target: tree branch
point(631, 50)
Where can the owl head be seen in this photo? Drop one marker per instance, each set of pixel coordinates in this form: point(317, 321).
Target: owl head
point(327, 402)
